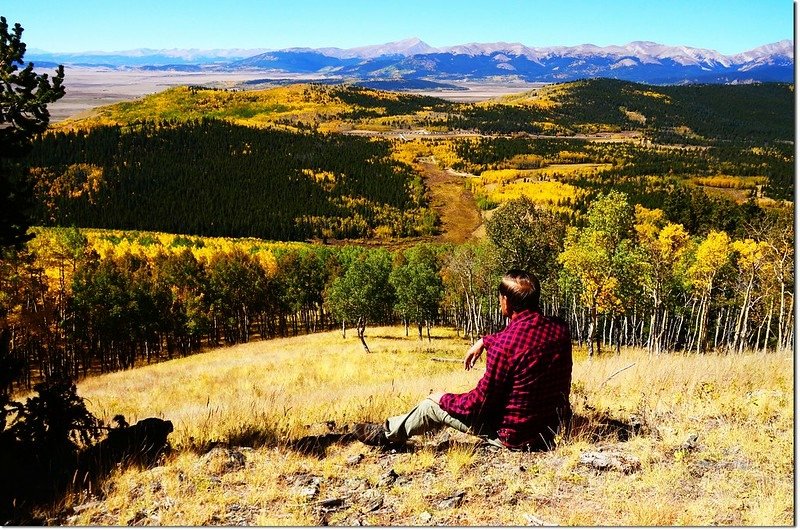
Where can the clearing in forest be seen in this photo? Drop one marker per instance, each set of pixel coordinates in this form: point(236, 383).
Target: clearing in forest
point(454, 203)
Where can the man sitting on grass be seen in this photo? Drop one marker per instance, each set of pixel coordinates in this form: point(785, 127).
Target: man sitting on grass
point(523, 397)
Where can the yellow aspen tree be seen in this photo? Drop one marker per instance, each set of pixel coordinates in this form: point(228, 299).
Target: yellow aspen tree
point(750, 256)
point(665, 249)
point(712, 254)
point(605, 261)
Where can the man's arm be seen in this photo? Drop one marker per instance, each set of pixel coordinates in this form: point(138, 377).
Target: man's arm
point(488, 391)
point(473, 354)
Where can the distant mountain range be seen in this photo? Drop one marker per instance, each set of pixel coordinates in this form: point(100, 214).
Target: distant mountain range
point(413, 59)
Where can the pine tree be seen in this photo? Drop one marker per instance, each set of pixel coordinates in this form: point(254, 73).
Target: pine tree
point(24, 96)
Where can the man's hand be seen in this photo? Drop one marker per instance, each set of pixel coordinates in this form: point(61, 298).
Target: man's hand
point(473, 354)
point(436, 397)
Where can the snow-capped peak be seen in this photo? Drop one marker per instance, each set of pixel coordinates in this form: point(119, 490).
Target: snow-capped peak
point(475, 49)
point(783, 49)
point(405, 48)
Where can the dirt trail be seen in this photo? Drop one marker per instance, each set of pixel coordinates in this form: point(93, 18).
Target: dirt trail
point(455, 204)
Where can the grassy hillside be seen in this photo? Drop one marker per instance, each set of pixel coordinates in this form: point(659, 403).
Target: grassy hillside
point(715, 444)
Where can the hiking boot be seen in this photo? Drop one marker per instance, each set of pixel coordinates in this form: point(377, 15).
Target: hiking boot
point(371, 434)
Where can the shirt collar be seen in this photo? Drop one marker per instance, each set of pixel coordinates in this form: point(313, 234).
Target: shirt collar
point(524, 314)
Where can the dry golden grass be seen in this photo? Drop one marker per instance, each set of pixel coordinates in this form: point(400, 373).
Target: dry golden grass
point(453, 202)
point(738, 471)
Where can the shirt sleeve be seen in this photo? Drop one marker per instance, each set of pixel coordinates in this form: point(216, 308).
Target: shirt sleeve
point(485, 397)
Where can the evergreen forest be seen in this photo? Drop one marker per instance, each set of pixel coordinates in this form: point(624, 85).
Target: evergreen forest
point(215, 178)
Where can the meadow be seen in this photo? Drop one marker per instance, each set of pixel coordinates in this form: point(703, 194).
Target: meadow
point(712, 442)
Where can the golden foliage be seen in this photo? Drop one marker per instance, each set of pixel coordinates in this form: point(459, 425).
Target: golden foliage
point(77, 180)
point(712, 253)
point(633, 115)
point(501, 185)
point(750, 254)
point(728, 181)
point(648, 222)
point(441, 152)
point(116, 243)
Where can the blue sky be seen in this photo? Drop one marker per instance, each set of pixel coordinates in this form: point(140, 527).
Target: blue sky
point(729, 27)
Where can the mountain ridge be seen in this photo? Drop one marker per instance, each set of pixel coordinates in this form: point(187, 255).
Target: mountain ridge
point(641, 61)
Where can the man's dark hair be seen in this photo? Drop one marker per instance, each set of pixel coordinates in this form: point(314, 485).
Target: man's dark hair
point(521, 289)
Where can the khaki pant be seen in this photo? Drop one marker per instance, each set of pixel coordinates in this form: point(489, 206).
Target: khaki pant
point(428, 416)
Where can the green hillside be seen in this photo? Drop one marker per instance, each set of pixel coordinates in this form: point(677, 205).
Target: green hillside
point(269, 164)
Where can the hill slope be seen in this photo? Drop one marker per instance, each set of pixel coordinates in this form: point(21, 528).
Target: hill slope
point(214, 178)
point(270, 169)
point(714, 447)
point(755, 113)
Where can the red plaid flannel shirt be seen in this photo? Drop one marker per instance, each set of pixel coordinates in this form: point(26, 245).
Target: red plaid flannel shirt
point(524, 393)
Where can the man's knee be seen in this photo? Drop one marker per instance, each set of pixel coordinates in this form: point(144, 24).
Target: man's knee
point(431, 409)
point(426, 405)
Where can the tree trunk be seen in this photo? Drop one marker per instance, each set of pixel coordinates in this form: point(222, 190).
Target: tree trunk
point(626, 335)
point(652, 335)
point(578, 326)
point(361, 327)
point(727, 327)
point(779, 345)
point(758, 334)
point(716, 329)
point(689, 332)
point(769, 323)
point(741, 324)
point(662, 330)
point(702, 324)
point(590, 335)
point(788, 333)
point(745, 330)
